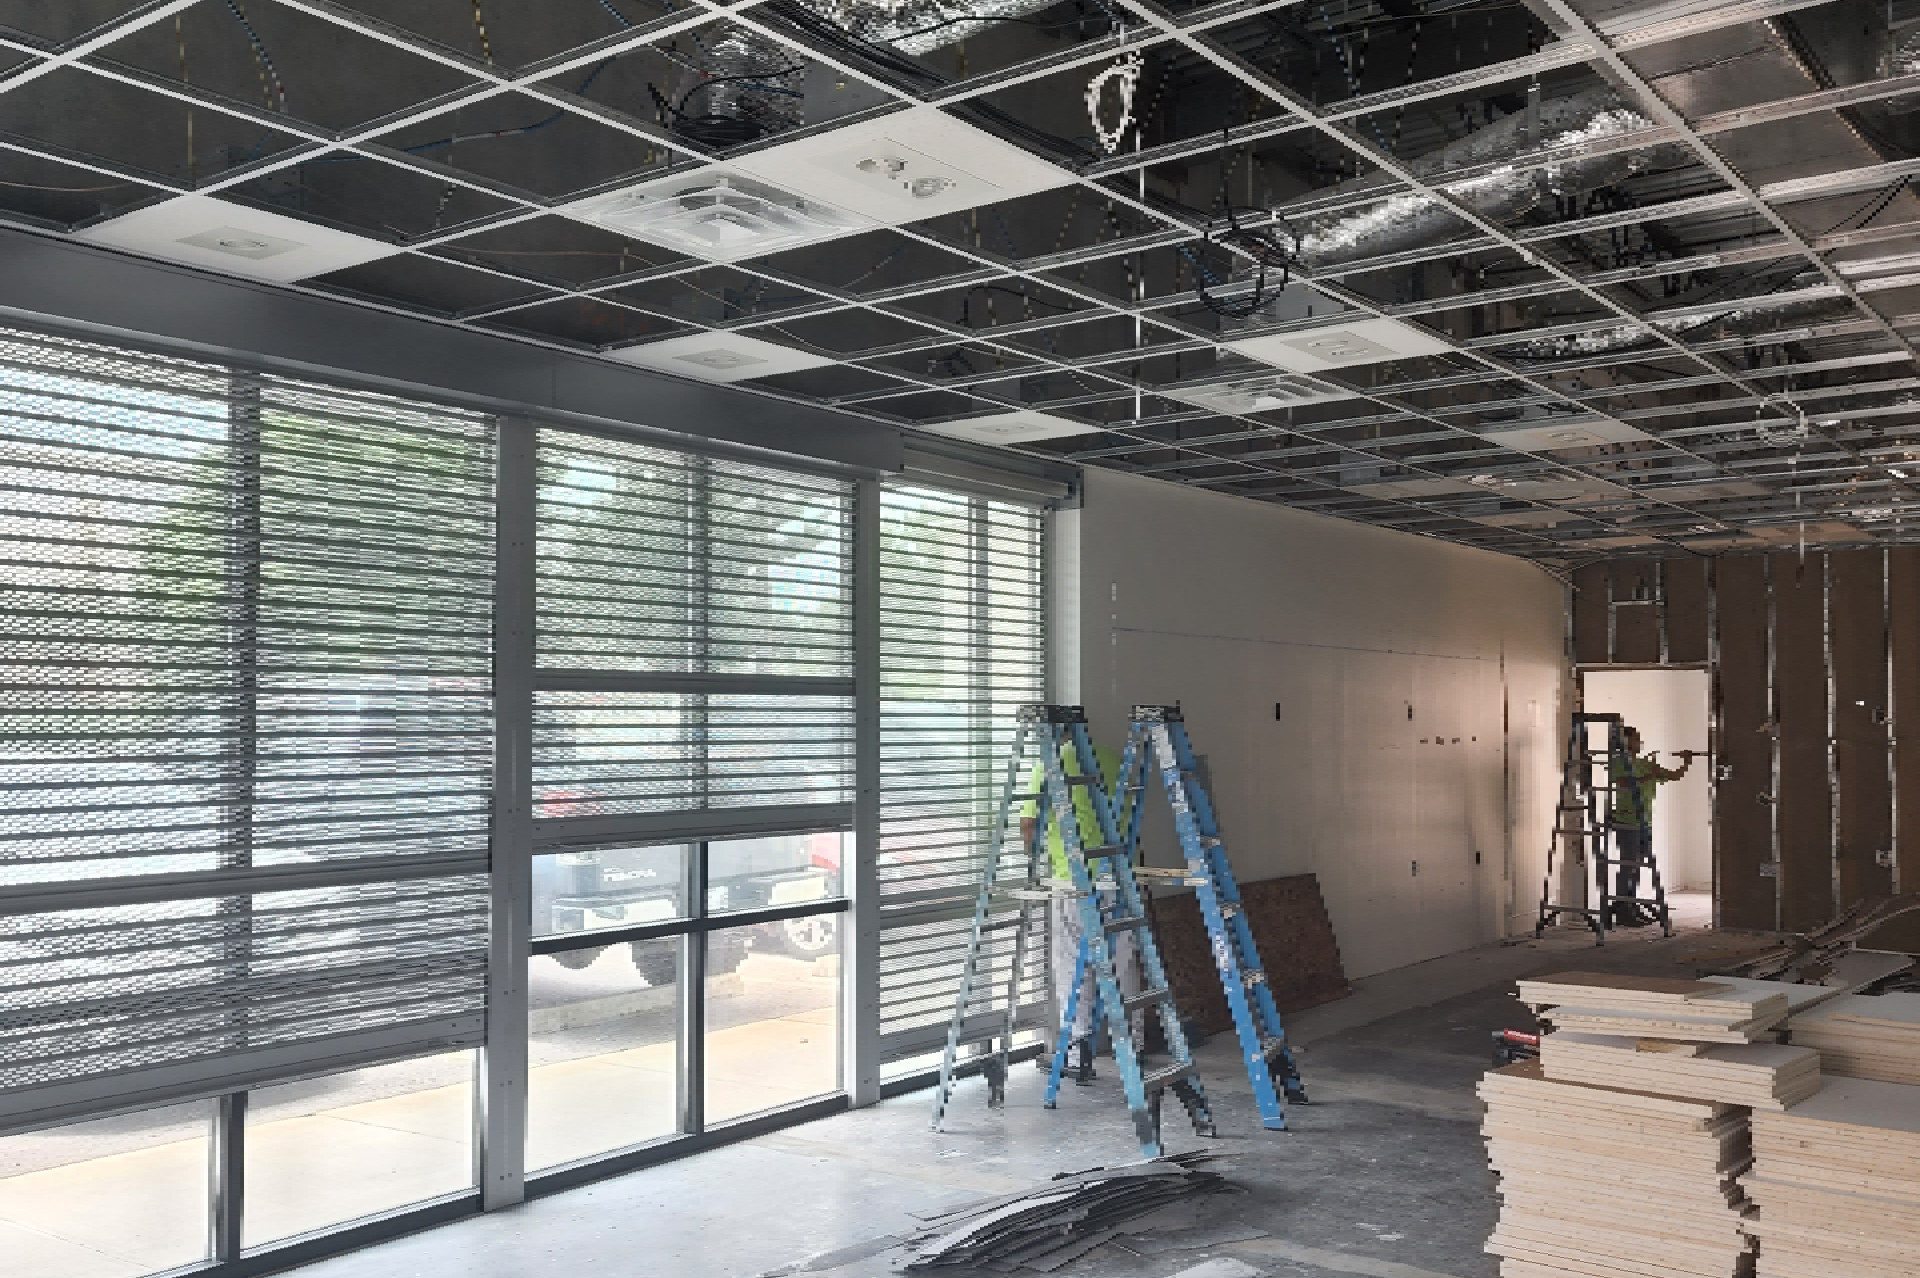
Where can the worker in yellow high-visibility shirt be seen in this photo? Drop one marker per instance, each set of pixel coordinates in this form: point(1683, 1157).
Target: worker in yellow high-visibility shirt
point(1064, 909)
point(1635, 777)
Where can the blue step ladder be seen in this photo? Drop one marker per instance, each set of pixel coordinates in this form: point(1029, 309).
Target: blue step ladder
point(1054, 740)
point(1157, 741)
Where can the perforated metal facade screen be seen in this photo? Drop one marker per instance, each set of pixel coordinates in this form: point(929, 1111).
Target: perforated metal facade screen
point(695, 641)
point(245, 658)
point(962, 644)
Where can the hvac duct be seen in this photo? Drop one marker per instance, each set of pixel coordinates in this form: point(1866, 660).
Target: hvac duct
point(921, 26)
point(1400, 223)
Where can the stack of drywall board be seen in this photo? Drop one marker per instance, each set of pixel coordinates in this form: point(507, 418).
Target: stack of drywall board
point(1865, 1036)
point(1601, 1182)
point(1836, 1180)
point(1757, 1075)
point(1658, 1007)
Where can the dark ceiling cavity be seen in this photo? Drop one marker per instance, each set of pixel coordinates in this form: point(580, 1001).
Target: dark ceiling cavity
point(1559, 278)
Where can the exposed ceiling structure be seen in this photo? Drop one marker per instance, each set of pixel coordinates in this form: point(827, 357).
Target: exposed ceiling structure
point(1561, 279)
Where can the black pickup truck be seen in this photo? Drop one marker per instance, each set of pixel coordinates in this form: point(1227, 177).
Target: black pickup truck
point(624, 887)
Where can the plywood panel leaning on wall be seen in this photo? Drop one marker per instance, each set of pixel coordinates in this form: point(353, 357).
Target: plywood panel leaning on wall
point(1590, 629)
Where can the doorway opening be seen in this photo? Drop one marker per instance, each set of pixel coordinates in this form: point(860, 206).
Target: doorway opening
point(1670, 708)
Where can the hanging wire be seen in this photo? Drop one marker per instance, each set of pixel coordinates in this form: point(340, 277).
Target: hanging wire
point(270, 83)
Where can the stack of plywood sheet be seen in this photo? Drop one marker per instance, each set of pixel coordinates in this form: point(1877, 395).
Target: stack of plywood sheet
point(1657, 1007)
point(1758, 1075)
point(1836, 1180)
point(1600, 1182)
point(1865, 1036)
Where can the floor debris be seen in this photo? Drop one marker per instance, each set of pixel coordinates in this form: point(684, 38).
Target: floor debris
point(1054, 1223)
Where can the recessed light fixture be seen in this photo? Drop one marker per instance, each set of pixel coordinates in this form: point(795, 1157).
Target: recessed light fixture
point(1018, 427)
point(1344, 345)
point(235, 239)
point(1256, 390)
point(905, 167)
point(719, 357)
point(1550, 436)
point(240, 243)
point(716, 215)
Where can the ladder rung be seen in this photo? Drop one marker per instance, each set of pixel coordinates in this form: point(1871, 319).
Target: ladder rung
point(1126, 922)
point(1145, 998)
point(1035, 797)
point(1083, 780)
point(1166, 1074)
point(1103, 851)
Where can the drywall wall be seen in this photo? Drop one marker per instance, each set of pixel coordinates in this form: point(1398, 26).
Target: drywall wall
point(1670, 709)
point(1376, 708)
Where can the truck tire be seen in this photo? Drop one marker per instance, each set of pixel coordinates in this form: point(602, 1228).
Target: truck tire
point(658, 965)
point(577, 960)
point(809, 936)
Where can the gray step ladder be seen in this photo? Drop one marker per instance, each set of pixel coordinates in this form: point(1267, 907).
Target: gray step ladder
point(1583, 824)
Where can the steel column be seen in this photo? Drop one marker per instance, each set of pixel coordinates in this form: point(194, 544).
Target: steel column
point(501, 1112)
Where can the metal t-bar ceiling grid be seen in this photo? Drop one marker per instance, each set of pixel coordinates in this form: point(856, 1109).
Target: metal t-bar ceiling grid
point(1410, 444)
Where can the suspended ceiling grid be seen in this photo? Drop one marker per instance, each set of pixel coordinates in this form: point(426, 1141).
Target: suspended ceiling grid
point(1661, 263)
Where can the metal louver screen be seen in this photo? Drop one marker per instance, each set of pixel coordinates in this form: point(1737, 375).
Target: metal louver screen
point(652, 560)
point(694, 645)
point(962, 645)
point(246, 645)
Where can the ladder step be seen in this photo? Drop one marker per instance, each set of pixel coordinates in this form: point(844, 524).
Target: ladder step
point(1125, 923)
point(1166, 1074)
point(1145, 998)
point(1108, 850)
point(1083, 780)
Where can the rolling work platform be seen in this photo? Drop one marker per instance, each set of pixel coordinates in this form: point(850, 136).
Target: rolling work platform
point(1053, 739)
point(1582, 828)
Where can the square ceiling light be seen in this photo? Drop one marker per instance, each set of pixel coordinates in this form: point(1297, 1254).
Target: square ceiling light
point(1412, 486)
point(1344, 345)
point(1020, 427)
point(235, 239)
point(717, 215)
point(1256, 391)
point(905, 167)
point(719, 357)
point(1578, 432)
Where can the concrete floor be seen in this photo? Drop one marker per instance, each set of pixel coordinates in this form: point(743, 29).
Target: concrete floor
point(1382, 1175)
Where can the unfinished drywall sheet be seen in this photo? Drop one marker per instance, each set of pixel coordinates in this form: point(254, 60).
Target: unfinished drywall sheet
point(1805, 793)
point(1743, 794)
point(1857, 637)
point(1378, 709)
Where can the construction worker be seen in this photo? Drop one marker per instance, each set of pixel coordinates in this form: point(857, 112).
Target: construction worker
point(1634, 780)
point(1064, 910)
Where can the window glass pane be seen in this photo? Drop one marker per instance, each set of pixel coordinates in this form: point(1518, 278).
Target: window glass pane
point(609, 887)
point(110, 1198)
point(329, 1150)
point(773, 1017)
point(751, 874)
point(604, 1035)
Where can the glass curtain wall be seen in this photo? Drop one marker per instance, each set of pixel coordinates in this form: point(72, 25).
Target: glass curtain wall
point(249, 877)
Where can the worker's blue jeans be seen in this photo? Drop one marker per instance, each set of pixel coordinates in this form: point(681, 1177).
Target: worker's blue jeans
point(1636, 849)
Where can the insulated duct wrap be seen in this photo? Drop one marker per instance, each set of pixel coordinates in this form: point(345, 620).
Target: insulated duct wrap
point(921, 26)
point(742, 88)
point(1400, 223)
